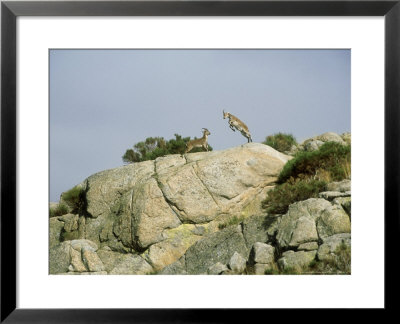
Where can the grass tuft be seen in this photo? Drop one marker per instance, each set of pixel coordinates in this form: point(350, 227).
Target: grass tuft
point(59, 210)
point(232, 221)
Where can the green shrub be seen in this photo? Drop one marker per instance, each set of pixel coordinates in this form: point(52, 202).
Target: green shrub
point(75, 199)
point(59, 210)
point(331, 157)
point(307, 174)
point(131, 156)
point(154, 147)
point(280, 141)
point(279, 198)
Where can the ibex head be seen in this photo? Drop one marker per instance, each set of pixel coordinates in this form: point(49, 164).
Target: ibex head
point(226, 114)
point(206, 131)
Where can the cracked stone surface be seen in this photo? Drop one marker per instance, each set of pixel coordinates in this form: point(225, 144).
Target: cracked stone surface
point(217, 247)
point(217, 269)
point(136, 207)
point(311, 220)
point(298, 225)
point(331, 243)
point(296, 260)
point(196, 214)
point(212, 183)
point(262, 253)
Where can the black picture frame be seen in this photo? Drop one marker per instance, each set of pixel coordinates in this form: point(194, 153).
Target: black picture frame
point(10, 10)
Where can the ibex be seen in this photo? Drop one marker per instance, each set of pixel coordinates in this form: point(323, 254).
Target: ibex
point(235, 122)
point(199, 142)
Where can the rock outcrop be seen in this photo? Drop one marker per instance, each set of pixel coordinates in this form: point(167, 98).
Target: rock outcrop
point(198, 213)
point(158, 209)
point(310, 229)
point(314, 143)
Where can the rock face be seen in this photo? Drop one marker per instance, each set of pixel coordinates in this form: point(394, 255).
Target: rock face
point(75, 256)
point(134, 205)
point(331, 243)
point(159, 209)
point(296, 260)
point(298, 225)
point(217, 269)
point(237, 263)
point(310, 221)
point(217, 247)
point(342, 186)
point(262, 258)
point(263, 253)
point(56, 227)
point(197, 214)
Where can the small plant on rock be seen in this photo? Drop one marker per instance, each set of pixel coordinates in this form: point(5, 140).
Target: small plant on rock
point(232, 221)
point(75, 199)
point(59, 210)
point(280, 141)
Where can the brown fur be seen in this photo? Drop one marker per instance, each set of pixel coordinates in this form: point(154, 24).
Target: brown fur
point(200, 142)
point(235, 122)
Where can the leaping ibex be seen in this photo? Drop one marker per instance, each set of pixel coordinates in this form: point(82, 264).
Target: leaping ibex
point(199, 142)
point(235, 122)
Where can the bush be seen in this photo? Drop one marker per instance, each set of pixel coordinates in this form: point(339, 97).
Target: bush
point(281, 142)
point(331, 157)
point(154, 147)
point(279, 198)
point(59, 210)
point(307, 174)
point(75, 199)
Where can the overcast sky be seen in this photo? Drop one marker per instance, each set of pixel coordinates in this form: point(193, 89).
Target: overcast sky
point(102, 102)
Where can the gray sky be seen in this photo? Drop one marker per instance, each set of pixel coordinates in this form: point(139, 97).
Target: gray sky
point(102, 102)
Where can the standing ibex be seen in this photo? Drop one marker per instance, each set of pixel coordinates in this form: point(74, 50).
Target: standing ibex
point(199, 142)
point(235, 122)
